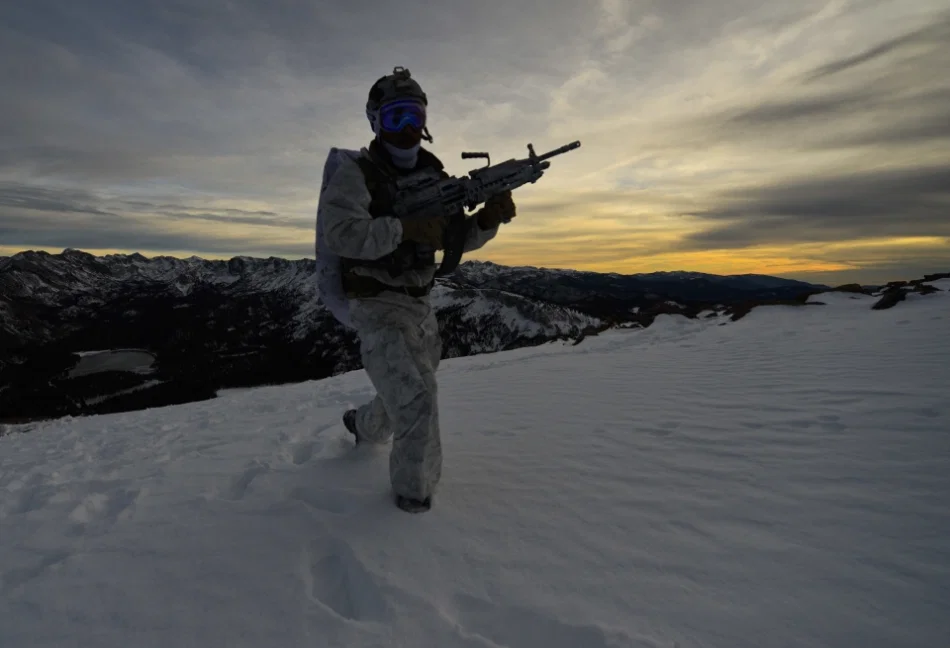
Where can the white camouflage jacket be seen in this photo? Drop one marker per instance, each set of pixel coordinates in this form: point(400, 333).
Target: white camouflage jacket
point(350, 231)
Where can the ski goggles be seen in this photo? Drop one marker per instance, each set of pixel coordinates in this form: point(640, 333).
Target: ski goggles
point(396, 115)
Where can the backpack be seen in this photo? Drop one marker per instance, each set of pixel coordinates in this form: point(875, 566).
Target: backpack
point(329, 265)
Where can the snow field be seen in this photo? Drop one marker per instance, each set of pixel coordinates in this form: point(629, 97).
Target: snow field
point(777, 481)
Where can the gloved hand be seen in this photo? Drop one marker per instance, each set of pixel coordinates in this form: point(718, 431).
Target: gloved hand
point(498, 209)
point(426, 231)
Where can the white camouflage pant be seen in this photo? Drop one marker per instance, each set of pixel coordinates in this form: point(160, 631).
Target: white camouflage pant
point(400, 348)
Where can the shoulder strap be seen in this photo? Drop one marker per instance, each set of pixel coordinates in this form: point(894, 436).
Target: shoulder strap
point(378, 183)
point(429, 159)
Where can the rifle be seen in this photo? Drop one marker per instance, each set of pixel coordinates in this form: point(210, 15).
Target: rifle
point(425, 194)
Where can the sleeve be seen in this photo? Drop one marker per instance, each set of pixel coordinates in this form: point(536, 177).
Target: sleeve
point(349, 229)
point(477, 237)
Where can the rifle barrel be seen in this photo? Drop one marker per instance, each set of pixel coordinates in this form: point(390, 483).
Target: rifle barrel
point(559, 150)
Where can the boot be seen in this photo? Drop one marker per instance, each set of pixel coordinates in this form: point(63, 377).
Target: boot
point(413, 505)
point(349, 421)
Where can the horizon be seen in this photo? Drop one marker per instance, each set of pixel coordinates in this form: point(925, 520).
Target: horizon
point(806, 142)
point(150, 257)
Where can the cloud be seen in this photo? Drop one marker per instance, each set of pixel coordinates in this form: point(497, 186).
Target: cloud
point(781, 112)
point(43, 217)
point(936, 34)
point(866, 158)
point(928, 129)
point(203, 127)
point(888, 203)
point(49, 200)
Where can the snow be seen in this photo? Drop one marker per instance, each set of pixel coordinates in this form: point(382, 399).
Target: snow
point(79, 272)
point(146, 385)
point(91, 362)
point(844, 299)
point(777, 481)
point(512, 315)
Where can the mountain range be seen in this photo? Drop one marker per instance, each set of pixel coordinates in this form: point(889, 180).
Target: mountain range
point(90, 334)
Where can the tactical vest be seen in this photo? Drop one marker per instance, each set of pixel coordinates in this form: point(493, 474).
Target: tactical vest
point(380, 179)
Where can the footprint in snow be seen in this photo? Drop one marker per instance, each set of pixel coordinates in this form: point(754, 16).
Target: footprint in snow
point(324, 440)
point(832, 423)
point(513, 626)
point(800, 424)
point(335, 579)
point(324, 500)
point(840, 400)
point(49, 561)
point(506, 433)
point(33, 493)
point(104, 508)
point(239, 485)
point(664, 429)
point(302, 452)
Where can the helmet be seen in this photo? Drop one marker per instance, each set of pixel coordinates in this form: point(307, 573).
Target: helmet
point(398, 85)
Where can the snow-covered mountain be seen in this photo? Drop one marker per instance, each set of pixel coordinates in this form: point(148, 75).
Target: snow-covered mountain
point(247, 321)
point(211, 324)
point(778, 481)
point(612, 295)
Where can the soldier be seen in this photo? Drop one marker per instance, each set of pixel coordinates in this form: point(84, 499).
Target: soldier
point(358, 244)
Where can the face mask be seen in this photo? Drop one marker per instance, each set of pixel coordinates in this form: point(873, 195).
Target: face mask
point(403, 158)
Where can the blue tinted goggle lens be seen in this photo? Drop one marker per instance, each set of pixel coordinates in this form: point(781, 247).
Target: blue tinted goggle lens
point(397, 115)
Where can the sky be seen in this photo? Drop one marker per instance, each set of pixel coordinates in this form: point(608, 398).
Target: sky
point(808, 140)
